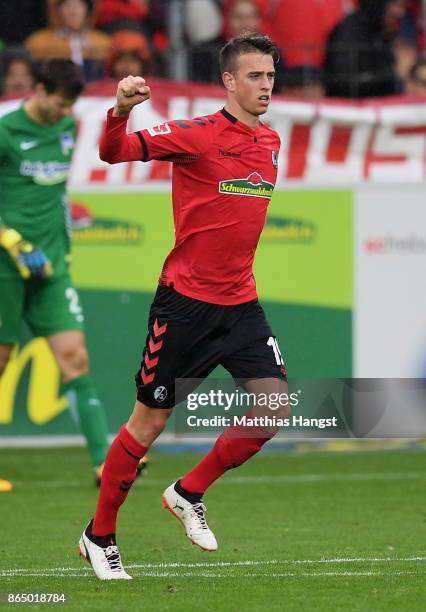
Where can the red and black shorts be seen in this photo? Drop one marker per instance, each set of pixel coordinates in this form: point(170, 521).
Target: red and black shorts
point(188, 338)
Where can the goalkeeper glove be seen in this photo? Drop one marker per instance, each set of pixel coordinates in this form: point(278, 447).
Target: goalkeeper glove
point(30, 260)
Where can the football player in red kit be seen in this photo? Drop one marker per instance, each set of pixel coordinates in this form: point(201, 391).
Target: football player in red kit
point(205, 311)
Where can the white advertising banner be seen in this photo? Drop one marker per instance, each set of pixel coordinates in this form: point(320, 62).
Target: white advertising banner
point(330, 143)
point(390, 282)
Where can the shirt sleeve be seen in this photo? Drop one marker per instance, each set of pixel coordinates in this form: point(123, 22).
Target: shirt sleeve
point(181, 141)
point(116, 145)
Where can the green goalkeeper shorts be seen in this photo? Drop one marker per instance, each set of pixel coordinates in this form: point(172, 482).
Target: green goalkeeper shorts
point(49, 306)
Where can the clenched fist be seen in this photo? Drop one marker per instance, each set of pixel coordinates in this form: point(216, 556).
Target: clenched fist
point(131, 91)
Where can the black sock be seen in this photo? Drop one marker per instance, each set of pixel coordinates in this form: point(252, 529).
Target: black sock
point(102, 541)
point(193, 498)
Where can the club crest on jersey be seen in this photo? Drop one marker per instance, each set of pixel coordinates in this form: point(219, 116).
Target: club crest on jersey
point(160, 394)
point(253, 185)
point(274, 159)
point(157, 130)
point(67, 143)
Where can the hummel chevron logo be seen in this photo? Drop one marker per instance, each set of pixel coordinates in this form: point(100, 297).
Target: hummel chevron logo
point(154, 346)
point(25, 146)
point(150, 363)
point(159, 330)
point(177, 506)
point(147, 378)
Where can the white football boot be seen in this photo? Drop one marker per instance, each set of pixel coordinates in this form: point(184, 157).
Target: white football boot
point(192, 518)
point(103, 556)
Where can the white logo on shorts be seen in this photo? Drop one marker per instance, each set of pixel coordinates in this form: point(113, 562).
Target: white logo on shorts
point(160, 394)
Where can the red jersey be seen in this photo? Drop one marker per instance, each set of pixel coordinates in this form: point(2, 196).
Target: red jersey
point(224, 174)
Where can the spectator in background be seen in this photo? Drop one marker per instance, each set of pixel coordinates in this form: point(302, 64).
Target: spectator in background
point(238, 16)
point(360, 60)
point(416, 84)
point(302, 82)
point(71, 36)
point(301, 28)
point(156, 24)
point(241, 16)
point(129, 55)
point(17, 72)
point(409, 40)
point(203, 21)
point(205, 37)
point(115, 15)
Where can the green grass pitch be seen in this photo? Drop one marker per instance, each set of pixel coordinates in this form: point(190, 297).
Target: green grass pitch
point(312, 531)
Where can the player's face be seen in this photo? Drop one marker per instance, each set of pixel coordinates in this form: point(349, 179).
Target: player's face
point(253, 81)
point(53, 107)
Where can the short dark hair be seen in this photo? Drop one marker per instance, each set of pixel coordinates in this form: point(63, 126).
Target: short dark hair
point(247, 42)
point(62, 77)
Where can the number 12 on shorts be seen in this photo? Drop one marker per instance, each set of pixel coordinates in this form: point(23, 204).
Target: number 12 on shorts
point(278, 357)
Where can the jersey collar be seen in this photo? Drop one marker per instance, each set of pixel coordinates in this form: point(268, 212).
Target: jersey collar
point(235, 121)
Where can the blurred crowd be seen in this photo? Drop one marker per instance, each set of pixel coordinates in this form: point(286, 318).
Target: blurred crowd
point(338, 48)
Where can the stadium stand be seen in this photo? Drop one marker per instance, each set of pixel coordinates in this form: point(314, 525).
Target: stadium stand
point(326, 45)
point(115, 15)
point(71, 35)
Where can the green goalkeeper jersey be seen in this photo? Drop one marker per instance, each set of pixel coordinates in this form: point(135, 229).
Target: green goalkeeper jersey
point(34, 167)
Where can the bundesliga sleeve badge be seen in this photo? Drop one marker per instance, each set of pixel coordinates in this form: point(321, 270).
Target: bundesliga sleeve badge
point(164, 128)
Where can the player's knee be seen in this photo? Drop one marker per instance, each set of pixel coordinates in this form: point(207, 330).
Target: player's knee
point(146, 424)
point(284, 411)
point(73, 361)
point(158, 423)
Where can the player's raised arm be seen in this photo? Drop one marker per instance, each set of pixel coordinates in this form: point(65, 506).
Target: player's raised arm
point(116, 145)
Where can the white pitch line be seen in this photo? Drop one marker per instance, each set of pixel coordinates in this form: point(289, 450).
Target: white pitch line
point(228, 575)
point(223, 564)
point(244, 480)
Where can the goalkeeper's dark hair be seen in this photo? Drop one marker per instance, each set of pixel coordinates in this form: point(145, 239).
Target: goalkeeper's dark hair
point(61, 77)
point(247, 42)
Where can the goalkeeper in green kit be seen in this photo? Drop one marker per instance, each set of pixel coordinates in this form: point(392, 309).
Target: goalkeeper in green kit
point(36, 147)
